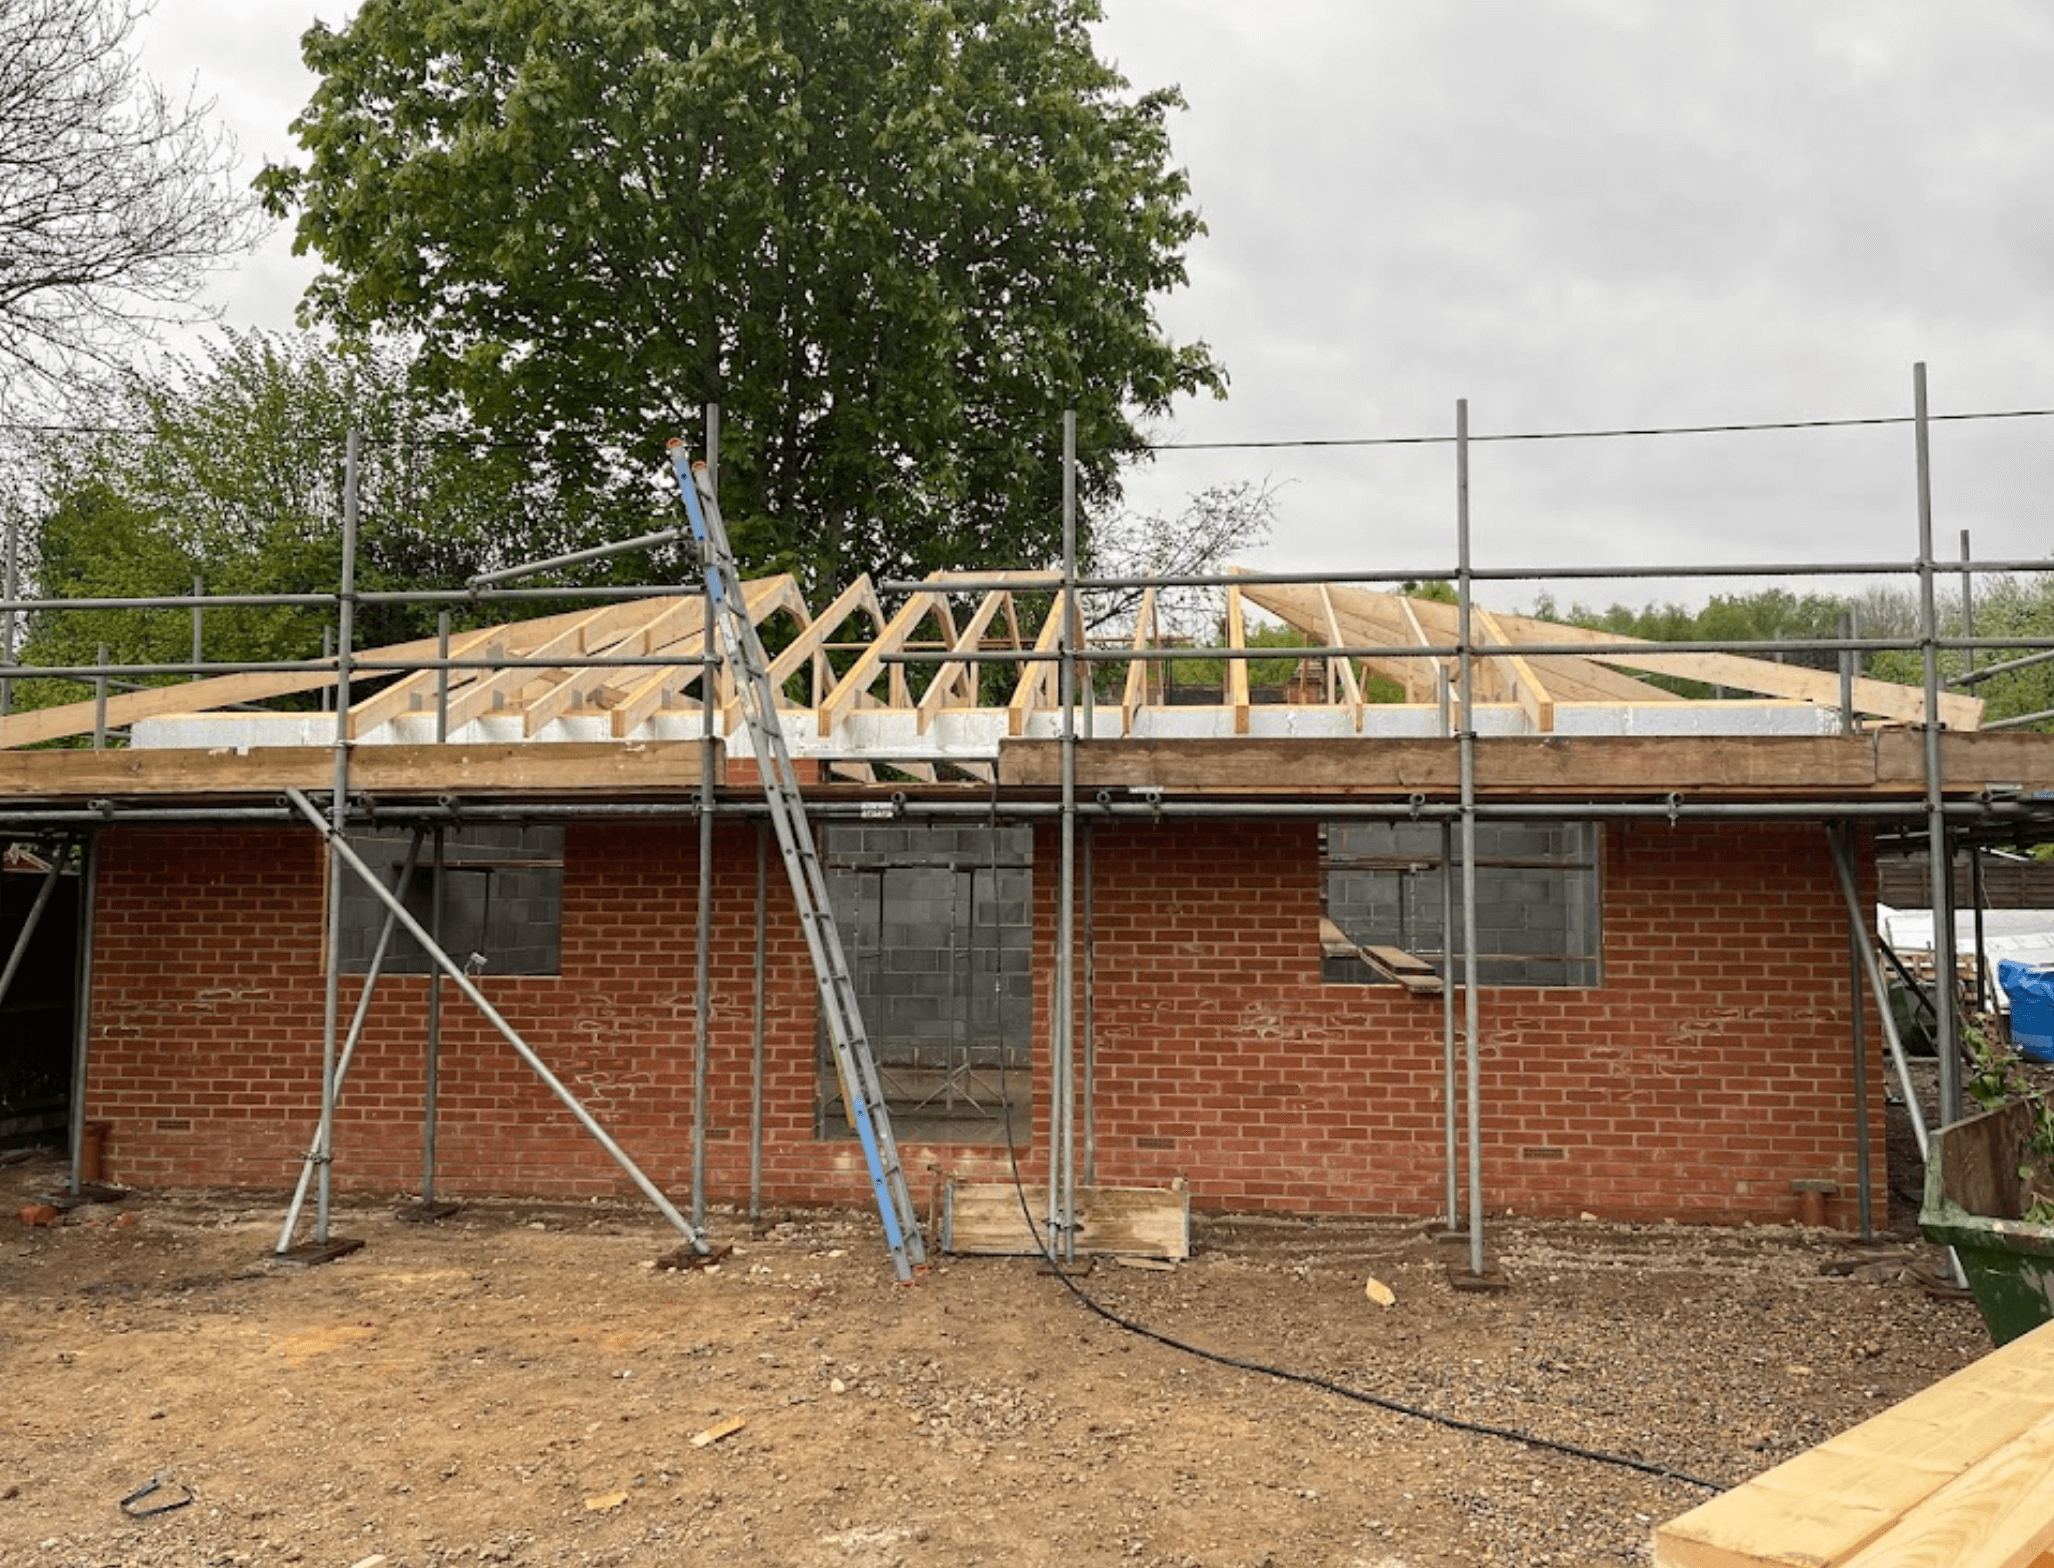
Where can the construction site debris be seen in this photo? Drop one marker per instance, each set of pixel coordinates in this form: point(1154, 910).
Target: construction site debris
point(689, 1257)
point(152, 1497)
point(718, 1431)
point(490, 1389)
point(1874, 1264)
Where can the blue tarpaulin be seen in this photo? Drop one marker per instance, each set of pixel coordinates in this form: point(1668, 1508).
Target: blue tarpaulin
point(2031, 989)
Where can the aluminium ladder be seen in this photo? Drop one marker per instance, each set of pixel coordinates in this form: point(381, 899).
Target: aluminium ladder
point(861, 1091)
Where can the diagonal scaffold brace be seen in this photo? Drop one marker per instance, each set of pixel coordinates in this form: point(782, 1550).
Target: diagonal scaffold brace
point(862, 1092)
point(373, 883)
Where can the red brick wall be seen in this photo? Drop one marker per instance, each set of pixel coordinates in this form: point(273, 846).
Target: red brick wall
point(208, 1006)
point(1708, 1073)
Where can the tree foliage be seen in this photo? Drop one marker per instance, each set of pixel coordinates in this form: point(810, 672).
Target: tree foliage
point(2004, 606)
point(892, 239)
point(231, 469)
point(115, 198)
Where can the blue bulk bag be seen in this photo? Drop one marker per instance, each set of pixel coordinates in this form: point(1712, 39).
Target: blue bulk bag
point(2031, 989)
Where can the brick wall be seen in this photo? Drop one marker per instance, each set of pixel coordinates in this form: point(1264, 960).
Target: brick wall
point(1709, 1072)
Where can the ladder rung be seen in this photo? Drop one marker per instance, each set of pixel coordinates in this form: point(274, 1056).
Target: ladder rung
point(759, 703)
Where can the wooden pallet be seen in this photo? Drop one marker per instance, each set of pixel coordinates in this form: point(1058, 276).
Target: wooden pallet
point(1128, 1222)
point(1960, 1475)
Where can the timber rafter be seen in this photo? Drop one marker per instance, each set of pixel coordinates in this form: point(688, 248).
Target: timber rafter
point(931, 687)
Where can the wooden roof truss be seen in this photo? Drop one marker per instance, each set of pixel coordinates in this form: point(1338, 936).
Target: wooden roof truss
point(940, 680)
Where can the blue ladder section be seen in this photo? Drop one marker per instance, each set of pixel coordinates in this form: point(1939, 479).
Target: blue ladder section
point(862, 1093)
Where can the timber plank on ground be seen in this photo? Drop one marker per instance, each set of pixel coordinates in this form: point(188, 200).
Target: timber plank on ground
point(1129, 1222)
point(1960, 1474)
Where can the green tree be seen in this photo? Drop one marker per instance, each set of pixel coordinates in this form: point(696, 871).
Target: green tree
point(2005, 606)
point(1774, 615)
point(2011, 606)
point(892, 239)
point(230, 469)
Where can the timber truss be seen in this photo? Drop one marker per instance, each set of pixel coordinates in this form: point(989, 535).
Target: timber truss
point(934, 688)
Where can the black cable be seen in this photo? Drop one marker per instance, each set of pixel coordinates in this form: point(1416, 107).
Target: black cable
point(1595, 435)
point(453, 439)
point(1381, 1402)
point(1045, 1246)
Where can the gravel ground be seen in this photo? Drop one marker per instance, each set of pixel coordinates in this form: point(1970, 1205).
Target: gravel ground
point(520, 1385)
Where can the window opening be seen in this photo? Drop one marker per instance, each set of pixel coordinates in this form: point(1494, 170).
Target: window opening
point(502, 909)
point(1538, 899)
point(936, 927)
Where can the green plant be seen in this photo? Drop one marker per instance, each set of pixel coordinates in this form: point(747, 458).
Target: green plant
point(892, 239)
point(1998, 1080)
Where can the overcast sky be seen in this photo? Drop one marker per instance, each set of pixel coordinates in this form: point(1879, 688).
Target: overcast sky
point(1577, 214)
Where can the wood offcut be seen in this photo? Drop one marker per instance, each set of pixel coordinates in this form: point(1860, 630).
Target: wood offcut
point(1393, 963)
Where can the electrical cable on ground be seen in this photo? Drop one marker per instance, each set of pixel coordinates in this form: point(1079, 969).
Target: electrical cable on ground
point(1045, 1246)
point(1380, 1401)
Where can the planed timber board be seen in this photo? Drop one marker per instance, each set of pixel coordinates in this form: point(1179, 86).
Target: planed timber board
point(1134, 1222)
point(1605, 765)
point(558, 768)
point(1960, 1474)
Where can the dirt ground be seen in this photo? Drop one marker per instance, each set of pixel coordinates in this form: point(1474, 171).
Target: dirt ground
point(519, 1385)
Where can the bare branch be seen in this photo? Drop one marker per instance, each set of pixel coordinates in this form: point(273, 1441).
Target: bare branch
point(116, 198)
point(1213, 524)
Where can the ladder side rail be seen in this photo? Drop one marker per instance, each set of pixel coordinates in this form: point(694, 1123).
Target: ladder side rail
point(862, 1090)
point(854, 1061)
point(774, 764)
point(847, 1032)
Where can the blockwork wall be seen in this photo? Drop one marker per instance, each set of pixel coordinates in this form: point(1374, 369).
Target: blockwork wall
point(1710, 1072)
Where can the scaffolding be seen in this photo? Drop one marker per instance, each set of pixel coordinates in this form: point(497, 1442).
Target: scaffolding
point(622, 711)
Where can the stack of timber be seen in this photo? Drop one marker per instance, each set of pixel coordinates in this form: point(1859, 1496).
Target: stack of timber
point(1960, 1475)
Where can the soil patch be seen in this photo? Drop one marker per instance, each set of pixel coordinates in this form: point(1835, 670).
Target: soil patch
point(520, 1385)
